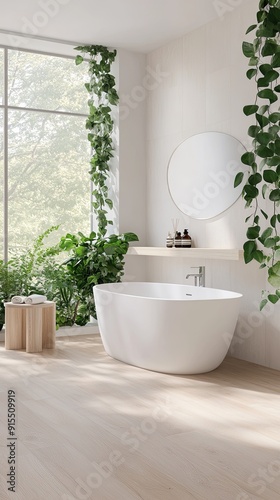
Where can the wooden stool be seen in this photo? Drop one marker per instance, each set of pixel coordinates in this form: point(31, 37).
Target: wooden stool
point(30, 326)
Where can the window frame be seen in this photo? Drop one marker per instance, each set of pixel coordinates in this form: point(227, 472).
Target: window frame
point(6, 107)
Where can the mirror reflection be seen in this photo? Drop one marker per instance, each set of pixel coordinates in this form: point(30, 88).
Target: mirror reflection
point(201, 174)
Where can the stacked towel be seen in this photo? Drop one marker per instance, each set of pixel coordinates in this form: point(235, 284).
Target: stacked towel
point(31, 299)
point(18, 299)
point(35, 299)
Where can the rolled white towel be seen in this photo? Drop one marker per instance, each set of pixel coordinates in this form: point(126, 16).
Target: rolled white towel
point(18, 299)
point(35, 299)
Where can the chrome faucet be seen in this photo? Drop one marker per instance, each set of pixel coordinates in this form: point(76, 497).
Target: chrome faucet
point(199, 278)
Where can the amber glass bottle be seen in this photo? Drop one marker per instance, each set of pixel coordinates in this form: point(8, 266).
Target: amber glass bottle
point(186, 239)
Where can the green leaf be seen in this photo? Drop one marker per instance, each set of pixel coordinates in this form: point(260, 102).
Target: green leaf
point(78, 60)
point(277, 88)
point(262, 120)
point(277, 146)
point(274, 161)
point(253, 130)
point(264, 152)
point(109, 203)
point(268, 94)
point(251, 73)
point(274, 117)
point(248, 49)
point(273, 298)
point(271, 75)
point(248, 158)
point(255, 179)
point(270, 242)
point(273, 130)
point(273, 220)
point(275, 61)
point(238, 179)
point(253, 232)
point(277, 254)
point(275, 195)
point(253, 61)
point(250, 109)
point(249, 248)
point(263, 109)
point(274, 275)
point(264, 214)
point(258, 256)
point(274, 12)
point(264, 190)
point(263, 304)
point(264, 138)
point(130, 237)
point(266, 234)
point(270, 176)
point(269, 48)
point(251, 191)
point(268, 78)
point(266, 31)
point(251, 28)
point(265, 68)
point(262, 82)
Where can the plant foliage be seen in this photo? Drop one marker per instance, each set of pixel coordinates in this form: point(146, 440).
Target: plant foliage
point(94, 261)
point(38, 270)
point(97, 258)
point(263, 161)
point(100, 124)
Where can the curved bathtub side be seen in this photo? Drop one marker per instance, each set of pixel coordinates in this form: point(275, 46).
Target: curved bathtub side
point(180, 337)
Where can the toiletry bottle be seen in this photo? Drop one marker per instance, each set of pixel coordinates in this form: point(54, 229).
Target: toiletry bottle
point(169, 240)
point(178, 240)
point(186, 239)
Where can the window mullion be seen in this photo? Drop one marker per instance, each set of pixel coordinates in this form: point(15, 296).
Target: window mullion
point(5, 145)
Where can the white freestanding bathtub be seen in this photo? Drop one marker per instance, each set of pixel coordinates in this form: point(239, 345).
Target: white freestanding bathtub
point(167, 328)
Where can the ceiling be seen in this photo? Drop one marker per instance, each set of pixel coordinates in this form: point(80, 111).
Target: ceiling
point(137, 25)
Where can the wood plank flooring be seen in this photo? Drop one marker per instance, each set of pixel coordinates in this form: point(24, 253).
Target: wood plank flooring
point(90, 427)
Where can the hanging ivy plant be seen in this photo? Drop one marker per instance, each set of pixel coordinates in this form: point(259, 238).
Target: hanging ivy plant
point(263, 161)
point(97, 258)
point(102, 95)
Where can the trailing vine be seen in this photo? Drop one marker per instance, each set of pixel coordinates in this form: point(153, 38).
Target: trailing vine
point(102, 95)
point(263, 161)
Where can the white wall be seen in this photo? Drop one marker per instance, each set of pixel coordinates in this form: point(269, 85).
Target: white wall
point(132, 142)
point(200, 85)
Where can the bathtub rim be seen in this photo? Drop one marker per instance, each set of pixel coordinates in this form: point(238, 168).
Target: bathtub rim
point(105, 288)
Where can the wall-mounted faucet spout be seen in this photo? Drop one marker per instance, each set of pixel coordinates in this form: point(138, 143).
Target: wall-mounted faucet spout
point(199, 278)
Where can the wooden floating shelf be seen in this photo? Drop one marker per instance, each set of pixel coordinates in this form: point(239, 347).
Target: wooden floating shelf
point(190, 253)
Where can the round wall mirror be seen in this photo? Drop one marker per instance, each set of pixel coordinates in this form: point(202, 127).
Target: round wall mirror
point(201, 174)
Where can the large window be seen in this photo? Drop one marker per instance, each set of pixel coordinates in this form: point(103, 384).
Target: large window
point(44, 149)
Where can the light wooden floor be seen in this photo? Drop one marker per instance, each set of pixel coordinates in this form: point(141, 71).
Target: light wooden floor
point(207, 437)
